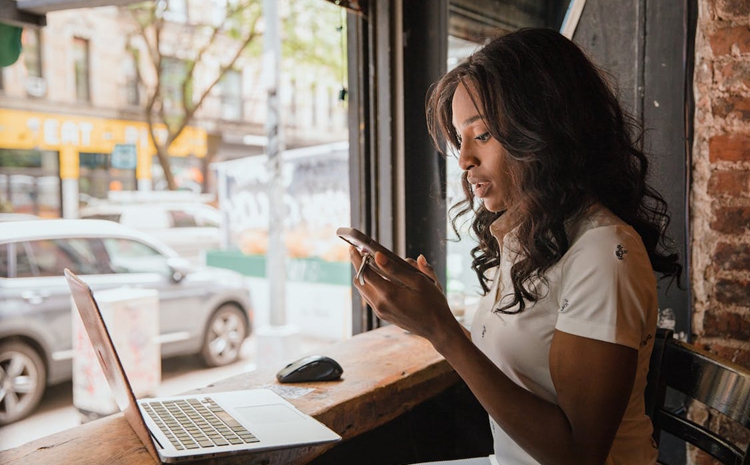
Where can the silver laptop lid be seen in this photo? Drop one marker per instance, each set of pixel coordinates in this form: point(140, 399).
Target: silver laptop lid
point(108, 359)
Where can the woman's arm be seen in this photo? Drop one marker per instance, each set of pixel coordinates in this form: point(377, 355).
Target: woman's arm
point(593, 379)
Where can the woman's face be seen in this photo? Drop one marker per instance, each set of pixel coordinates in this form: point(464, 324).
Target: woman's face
point(480, 155)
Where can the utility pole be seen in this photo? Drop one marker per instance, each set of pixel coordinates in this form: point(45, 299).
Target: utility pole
point(278, 342)
point(276, 253)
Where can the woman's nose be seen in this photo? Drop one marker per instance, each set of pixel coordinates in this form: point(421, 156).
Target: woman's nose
point(465, 158)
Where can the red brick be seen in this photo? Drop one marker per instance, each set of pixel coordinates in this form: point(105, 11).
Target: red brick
point(733, 292)
point(729, 147)
point(735, 106)
point(722, 323)
point(740, 356)
point(732, 257)
point(723, 39)
point(732, 9)
point(729, 184)
point(732, 74)
point(732, 220)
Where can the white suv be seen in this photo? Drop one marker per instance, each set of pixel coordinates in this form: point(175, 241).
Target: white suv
point(202, 310)
point(189, 228)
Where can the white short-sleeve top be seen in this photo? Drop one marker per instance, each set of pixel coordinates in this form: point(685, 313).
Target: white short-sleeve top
point(603, 288)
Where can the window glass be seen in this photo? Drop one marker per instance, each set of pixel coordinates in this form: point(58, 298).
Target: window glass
point(129, 256)
point(51, 256)
point(182, 219)
point(173, 74)
point(24, 266)
point(230, 87)
point(130, 71)
point(30, 182)
point(4, 260)
point(81, 68)
point(32, 55)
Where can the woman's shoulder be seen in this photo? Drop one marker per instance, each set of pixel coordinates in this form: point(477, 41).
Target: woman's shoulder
point(600, 219)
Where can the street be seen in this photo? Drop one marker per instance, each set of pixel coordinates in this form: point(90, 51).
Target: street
point(57, 412)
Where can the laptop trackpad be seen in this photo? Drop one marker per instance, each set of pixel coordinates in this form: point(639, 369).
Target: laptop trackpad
point(268, 414)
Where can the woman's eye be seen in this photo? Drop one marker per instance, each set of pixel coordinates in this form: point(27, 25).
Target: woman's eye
point(483, 137)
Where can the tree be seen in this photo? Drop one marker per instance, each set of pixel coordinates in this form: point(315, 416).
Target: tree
point(210, 44)
point(213, 41)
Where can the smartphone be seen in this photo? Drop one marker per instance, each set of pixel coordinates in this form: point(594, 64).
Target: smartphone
point(365, 244)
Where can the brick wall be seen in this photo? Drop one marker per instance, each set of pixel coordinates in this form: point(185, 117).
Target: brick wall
point(720, 198)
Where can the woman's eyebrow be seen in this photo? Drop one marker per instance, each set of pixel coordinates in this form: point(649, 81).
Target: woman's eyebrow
point(471, 119)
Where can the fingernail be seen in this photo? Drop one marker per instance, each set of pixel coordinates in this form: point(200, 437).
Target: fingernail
point(381, 259)
point(422, 260)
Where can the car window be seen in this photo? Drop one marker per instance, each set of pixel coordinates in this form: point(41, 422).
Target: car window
point(4, 261)
point(104, 216)
point(182, 219)
point(129, 256)
point(49, 257)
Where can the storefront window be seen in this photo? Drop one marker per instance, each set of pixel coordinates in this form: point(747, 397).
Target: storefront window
point(30, 182)
point(97, 176)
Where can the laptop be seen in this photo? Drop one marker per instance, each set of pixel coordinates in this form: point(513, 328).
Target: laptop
point(198, 426)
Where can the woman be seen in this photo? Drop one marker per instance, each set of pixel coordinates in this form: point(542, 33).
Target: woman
point(569, 236)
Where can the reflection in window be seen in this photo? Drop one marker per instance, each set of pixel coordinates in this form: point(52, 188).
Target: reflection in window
point(129, 256)
point(81, 68)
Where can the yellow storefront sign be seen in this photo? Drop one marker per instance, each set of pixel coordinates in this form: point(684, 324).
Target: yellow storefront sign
point(70, 135)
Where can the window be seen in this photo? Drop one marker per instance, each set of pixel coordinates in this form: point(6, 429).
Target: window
point(231, 95)
point(129, 256)
point(130, 71)
point(182, 219)
point(81, 68)
point(50, 257)
point(32, 52)
point(173, 74)
point(4, 261)
point(35, 84)
point(30, 182)
point(98, 176)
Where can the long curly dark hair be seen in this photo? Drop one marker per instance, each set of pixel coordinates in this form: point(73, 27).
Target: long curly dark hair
point(568, 145)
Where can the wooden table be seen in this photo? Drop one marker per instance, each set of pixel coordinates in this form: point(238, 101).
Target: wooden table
point(387, 372)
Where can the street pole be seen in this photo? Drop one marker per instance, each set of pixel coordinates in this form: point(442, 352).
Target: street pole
point(276, 253)
point(278, 342)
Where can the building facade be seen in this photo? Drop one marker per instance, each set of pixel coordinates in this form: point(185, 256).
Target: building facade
point(72, 109)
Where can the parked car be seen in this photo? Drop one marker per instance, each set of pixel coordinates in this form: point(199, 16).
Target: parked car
point(202, 310)
point(189, 228)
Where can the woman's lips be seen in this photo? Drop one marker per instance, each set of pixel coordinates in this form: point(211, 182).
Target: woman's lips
point(480, 189)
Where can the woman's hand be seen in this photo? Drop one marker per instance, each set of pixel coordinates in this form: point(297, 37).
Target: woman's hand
point(418, 306)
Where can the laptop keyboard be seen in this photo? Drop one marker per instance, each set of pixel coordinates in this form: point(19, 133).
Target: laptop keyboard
point(195, 424)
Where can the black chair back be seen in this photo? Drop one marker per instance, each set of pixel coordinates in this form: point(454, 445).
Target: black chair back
point(706, 378)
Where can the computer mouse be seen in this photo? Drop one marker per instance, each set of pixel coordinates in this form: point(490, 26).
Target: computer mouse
point(311, 368)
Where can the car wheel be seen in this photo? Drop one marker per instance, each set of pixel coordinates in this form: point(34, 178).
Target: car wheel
point(225, 333)
point(23, 379)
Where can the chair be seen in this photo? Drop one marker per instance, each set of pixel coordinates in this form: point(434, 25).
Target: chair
point(655, 390)
point(706, 378)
